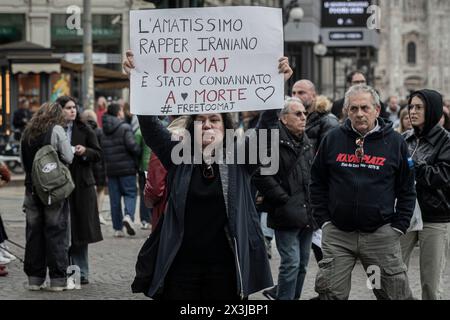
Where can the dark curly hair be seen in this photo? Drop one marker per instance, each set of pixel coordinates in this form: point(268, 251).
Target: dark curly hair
point(48, 115)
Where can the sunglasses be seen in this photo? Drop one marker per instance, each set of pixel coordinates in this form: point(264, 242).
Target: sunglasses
point(359, 152)
point(300, 113)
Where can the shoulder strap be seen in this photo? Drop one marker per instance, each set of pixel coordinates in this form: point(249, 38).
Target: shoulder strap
point(48, 137)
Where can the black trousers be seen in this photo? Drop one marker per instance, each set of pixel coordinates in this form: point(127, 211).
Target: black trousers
point(47, 233)
point(3, 235)
point(201, 282)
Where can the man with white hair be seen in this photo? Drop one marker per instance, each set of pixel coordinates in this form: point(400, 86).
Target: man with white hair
point(287, 201)
point(363, 196)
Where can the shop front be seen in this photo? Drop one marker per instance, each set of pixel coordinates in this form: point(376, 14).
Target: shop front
point(27, 72)
point(32, 73)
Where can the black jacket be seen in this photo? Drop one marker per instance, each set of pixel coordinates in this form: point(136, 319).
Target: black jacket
point(20, 118)
point(319, 123)
point(120, 150)
point(430, 150)
point(243, 228)
point(289, 187)
point(98, 168)
point(362, 196)
point(84, 220)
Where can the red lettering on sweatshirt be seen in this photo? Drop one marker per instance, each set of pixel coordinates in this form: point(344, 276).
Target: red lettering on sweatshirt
point(369, 160)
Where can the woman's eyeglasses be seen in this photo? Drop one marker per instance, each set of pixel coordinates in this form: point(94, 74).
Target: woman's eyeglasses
point(359, 152)
point(417, 107)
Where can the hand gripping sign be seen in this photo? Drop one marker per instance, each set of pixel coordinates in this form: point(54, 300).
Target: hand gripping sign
point(206, 60)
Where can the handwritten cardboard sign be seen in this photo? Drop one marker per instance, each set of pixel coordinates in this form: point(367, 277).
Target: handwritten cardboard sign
point(206, 60)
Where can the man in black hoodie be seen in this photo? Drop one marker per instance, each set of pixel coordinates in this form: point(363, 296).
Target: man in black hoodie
point(429, 145)
point(363, 196)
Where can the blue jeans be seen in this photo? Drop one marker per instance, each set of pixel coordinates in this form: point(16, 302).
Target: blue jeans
point(294, 247)
point(267, 232)
point(79, 257)
point(122, 186)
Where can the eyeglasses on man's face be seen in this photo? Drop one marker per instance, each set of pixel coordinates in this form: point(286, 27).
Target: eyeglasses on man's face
point(299, 114)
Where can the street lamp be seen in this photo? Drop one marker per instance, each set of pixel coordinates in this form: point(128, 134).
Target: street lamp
point(320, 50)
point(293, 12)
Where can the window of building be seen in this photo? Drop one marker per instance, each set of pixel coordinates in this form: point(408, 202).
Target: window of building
point(12, 27)
point(412, 53)
point(29, 88)
point(106, 40)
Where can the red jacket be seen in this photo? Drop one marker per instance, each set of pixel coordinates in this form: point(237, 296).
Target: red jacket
point(5, 175)
point(155, 192)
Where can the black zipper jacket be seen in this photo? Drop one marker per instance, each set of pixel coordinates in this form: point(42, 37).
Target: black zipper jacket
point(363, 195)
point(430, 151)
point(289, 187)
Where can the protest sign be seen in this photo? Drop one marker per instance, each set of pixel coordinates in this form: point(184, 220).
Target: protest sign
point(206, 60)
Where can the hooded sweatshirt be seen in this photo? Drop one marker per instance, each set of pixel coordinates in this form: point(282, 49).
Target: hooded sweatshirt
point(363, 194)
point(430, 150)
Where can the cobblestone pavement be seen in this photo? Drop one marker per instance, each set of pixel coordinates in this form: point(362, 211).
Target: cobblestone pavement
point(112, 263)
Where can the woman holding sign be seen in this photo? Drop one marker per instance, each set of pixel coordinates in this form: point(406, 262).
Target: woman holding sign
point(209, 245)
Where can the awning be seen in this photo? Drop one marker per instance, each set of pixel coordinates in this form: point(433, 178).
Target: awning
point(35, 68)
point(104, 78)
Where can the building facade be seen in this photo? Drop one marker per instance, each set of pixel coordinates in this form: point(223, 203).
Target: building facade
point(415, 47)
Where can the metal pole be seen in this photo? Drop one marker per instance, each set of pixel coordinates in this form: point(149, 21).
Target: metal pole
point(88, 67)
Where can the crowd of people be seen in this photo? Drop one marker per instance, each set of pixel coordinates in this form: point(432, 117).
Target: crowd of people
point(357, 174)
point(350, 173)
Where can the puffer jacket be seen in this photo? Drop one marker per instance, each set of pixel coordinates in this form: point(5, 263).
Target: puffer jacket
point(430, 150)
point(318, 124)
point(289, 187)
point(120, 150)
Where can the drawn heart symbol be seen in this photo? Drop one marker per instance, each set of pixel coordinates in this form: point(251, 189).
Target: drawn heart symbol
point(184, 96)
point(265, 93)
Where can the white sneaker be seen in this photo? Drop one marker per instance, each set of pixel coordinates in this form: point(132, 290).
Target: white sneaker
point(5, 252)
point(102, 220)
point(3, 259)
point(146, 226)
point(34, 287)
point(71, 285)
point(129, 225)
point(119, 234)
point(55, 289)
